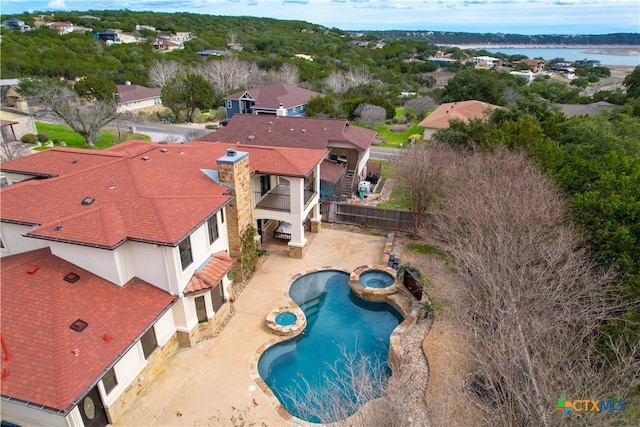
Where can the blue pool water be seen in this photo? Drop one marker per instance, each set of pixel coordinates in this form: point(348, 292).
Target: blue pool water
point(376, 279)
point(285, 318)
point(335, 318)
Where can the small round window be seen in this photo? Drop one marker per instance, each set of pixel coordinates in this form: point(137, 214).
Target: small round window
point(89, 408)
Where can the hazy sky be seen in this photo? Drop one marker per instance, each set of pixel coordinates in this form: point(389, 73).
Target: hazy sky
point(489, 16)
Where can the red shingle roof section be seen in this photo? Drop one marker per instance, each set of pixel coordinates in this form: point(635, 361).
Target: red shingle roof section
point(211, 274)
point(146, 192)
point(271, 96)
point(463, 110)
point(300, 132)
point(37, 310)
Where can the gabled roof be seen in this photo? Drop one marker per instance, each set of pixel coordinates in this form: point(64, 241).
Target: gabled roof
point(301, 132)
point(271, 96)
point(141, 191)
point(463, 110)
point(37, 311)
point(131, 93)
point(211, 274)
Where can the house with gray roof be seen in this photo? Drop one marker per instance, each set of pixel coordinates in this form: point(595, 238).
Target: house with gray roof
point(277, 99)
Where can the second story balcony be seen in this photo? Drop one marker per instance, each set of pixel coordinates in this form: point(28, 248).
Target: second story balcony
point(279, 198)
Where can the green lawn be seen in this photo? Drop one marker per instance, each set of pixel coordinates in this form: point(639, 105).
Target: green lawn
point(395, 139)
point(106, 138)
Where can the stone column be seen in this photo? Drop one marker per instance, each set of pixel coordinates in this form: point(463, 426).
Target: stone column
point(234, 170)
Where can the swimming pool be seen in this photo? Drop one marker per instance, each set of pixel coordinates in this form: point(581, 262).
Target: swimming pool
point(336, 319)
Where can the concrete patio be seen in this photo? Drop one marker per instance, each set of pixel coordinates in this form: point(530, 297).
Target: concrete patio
point(199, 383)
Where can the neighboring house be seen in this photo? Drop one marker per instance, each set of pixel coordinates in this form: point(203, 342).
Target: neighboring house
point(61, 27)
point(536, 65)
point(277, 99)
point(161, 43)
point(463, 110)
point(348, 145)
point(441, 60)
point(124, 255)
point(15, 123)
point(109, 36)
point(588, 63)
point(527, 74)
point(135, 97)
point(15, 24)
point(563, 67)
point(593, 109)
point(485, 61)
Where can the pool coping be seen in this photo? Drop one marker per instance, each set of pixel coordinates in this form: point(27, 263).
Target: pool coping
point(395, 295)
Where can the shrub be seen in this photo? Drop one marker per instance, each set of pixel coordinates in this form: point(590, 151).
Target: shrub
point(399, 128)
point(29, 138)
point(42, 137)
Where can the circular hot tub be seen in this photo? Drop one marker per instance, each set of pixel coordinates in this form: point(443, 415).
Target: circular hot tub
point(378, 279)
point(286, 321)
point(286, 318)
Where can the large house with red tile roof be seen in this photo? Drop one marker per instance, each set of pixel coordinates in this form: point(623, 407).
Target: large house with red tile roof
point(276, 99)
point(348, 145)
point(112, 259)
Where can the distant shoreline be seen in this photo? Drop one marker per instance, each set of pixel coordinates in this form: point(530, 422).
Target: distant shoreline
point(620, 50)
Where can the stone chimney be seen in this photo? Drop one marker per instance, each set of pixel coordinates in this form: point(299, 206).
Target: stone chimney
point(234, 170)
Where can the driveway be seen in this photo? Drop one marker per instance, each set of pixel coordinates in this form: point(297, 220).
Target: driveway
point(200, 385)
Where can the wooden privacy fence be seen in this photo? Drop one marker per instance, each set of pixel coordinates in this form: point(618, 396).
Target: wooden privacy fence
point(366, 216)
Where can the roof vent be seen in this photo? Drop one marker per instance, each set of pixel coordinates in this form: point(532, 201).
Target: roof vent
point(145, 158)
point(33, 269)
point(231, 152)
point(74, 161)
point(303, 130)
point(164, 150)
point(251, 138)
point(270, 123)
point(58, 227)
point(113, 185)
point(71, 278)
point(79, 325)
point(291, 130)
point(88, 200)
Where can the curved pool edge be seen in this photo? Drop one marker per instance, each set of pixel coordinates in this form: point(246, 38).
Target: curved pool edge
point(400, 299)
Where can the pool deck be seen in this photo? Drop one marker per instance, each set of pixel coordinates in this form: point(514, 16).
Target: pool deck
point(215, 375)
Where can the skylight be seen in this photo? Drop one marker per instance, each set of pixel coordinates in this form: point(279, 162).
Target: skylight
point(79, 325)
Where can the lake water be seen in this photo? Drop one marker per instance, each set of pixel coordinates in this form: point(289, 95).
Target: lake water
point(569, 54)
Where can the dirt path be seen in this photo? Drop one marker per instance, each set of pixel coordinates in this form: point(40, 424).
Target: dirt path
point(446, 345)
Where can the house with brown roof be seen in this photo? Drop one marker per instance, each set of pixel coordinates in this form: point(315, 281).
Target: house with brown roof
point(136, 97)
point(461, 110)
point(113, 259)
point(348, 144)
point(276, 99)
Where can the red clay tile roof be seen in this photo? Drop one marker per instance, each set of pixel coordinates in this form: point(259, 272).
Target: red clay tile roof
point(301, 132)
point(463, 110)
point(130, 93)
point(271, 96)
point(37, 310)
point(211, 274)
point(159, 200)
